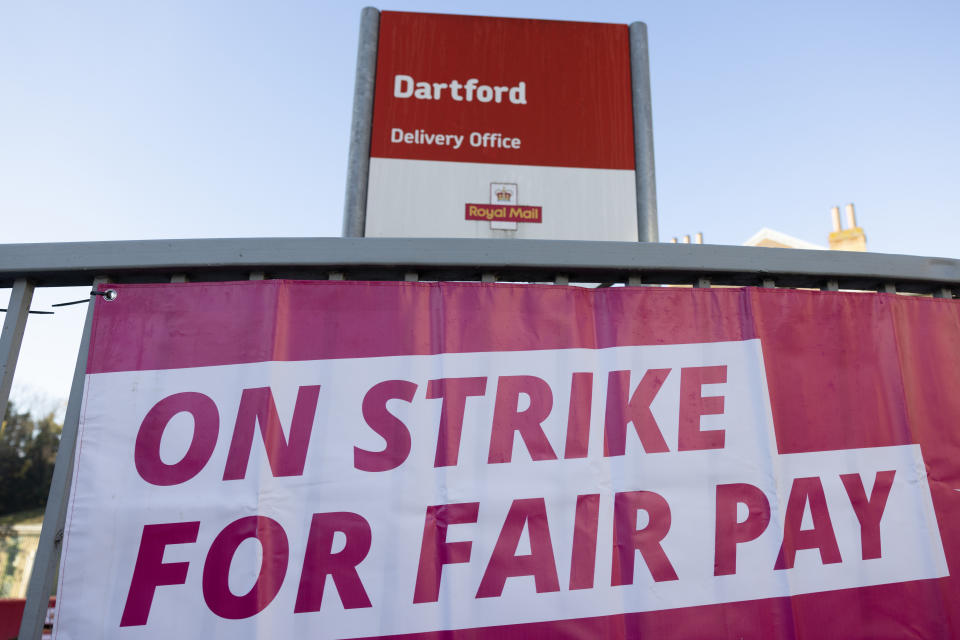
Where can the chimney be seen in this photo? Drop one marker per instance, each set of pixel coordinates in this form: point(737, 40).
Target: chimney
point(686, 239)
point(835, 214)
point(674, 240)
point(699, 238)
point(850, 239)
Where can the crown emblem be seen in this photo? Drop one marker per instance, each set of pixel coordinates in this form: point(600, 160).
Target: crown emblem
point(503, 195)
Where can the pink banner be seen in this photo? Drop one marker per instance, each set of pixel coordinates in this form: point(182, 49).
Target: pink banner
point(357, 459)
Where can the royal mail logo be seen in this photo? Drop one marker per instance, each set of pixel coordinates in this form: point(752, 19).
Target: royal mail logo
point(504, 213)
point(504, 210)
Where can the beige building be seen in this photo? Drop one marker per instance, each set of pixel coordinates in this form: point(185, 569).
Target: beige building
point(851, 238)
point(17, 551)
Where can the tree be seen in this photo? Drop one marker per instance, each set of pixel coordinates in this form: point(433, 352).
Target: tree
point(28, 450)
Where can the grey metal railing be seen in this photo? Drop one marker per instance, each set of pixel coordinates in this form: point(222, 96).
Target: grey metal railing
point(64, 264)
point(26, 266)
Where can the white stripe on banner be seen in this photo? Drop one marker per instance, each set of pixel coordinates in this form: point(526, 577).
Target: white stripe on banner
point(661, 488)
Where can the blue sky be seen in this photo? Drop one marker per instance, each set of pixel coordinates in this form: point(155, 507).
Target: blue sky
point(123, 120)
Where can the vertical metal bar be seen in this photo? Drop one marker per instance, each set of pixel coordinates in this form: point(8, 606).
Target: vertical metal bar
point(831, 285)
point(702, 283)
point(488, 277)
point(411, 276)
point(179, 277)
point(769, 283)
point(561, 278)
point(257, 275)
point(634, 281)
point(358, 160)
point(335, 275)
point(46, 561)
point(14, 324)
point(647, 230)
point(889, 287)
point(943, 292)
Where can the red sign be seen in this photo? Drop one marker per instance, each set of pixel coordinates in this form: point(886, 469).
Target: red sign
point(377, 459)
point(502, 90)
point(541, 106)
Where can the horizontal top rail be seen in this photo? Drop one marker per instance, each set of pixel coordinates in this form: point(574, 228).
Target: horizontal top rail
point(77, 263)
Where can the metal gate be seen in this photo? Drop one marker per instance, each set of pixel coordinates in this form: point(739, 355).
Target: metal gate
point(25, 267)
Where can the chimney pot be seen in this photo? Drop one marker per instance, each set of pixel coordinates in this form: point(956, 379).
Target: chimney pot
point(699, 238)
point(835, 214)
point(686, 239)
point(851, 216)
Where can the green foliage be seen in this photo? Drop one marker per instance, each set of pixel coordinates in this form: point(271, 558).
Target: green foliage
point(28, 449)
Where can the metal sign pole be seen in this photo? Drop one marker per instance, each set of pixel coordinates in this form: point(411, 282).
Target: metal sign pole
point(11, 337)
point(358, 161)
point(51, 535)
point(643, 134)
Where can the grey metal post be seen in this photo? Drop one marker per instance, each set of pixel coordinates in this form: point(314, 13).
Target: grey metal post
point(46, 561)
point(358, 160)
point(643, 134)
point(12, 336)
